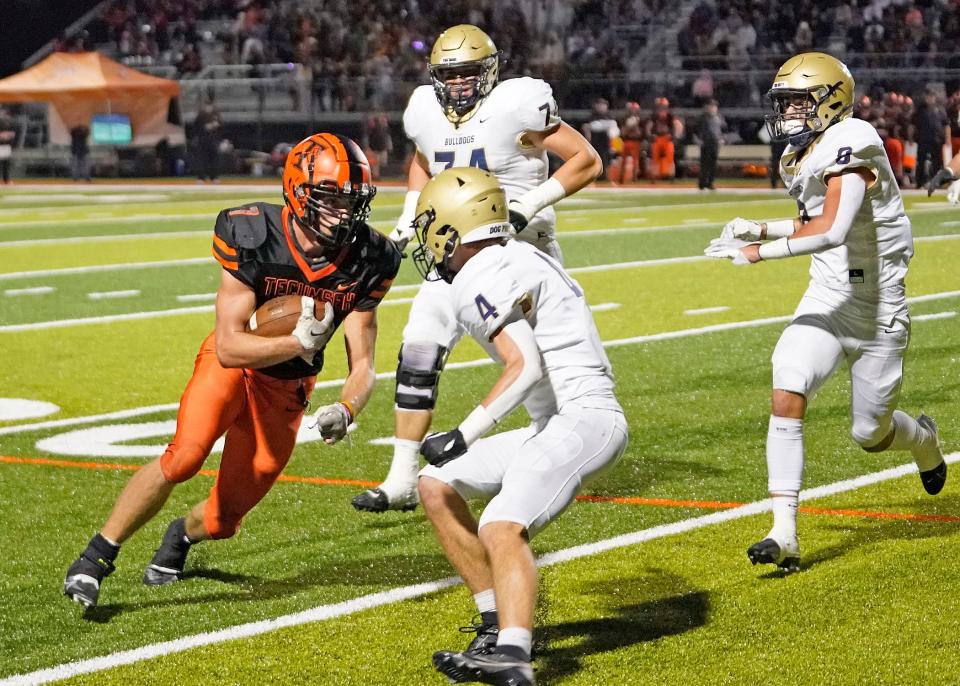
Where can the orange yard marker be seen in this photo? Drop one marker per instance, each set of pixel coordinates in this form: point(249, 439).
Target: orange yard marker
point(617, 500)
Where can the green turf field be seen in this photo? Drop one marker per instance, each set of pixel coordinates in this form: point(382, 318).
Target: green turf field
point(106, 293)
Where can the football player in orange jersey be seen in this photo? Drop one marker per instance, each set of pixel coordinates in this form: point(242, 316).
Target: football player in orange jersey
point(255, 389)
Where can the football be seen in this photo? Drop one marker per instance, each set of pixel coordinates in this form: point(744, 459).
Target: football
point(276, 317)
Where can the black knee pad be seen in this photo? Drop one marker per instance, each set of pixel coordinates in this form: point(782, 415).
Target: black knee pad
point(418, 375)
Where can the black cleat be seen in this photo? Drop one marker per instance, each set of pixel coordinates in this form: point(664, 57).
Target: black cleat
point(168, 561)
point(493, 668)
point(375, 500)
point(934, 479)
point(768, 551)
point(485, 640)
point(82, 583)
point(931, 450)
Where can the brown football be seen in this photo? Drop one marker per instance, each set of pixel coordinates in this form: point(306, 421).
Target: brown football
point(276, 317)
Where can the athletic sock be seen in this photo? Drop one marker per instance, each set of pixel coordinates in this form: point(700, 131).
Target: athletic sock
point(486, 605)
point(515, 641)
point(405, 465)
point(785, 457)
point(101, 552)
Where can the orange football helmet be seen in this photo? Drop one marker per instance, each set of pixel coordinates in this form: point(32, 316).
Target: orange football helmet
point(326, 186)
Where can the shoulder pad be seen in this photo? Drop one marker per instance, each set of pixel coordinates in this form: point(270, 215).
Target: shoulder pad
point(244, 227)
point(533, 101)
point(421, 100)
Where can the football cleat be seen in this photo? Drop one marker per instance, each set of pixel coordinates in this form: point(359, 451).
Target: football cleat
point(485, 640)
point(376, 500)
point(785, 555)
point(493, 668)
point(930, 451)
point(168, 561)
point(82, 583)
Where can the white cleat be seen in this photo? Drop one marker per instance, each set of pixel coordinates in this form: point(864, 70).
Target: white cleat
point(377, 500)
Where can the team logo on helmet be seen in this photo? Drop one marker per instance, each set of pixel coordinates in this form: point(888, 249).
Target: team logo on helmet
point(326, 186)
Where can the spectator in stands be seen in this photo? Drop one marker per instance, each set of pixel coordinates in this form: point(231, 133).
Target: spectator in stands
point(377, 141)
point(664, 129)
point(632, 132)
point(932, 131)
point(189, 63)
point(600, 130)
point(79, 153)
point(710, 134)
point(207, 131)
point(8, 136)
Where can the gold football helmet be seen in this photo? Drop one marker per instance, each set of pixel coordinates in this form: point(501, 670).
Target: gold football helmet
point(464, 66)
point(457, 206)
point(810, 92)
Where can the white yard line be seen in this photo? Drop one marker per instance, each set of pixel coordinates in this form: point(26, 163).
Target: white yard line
point(396, 595)
point(39, 290)
point(121, 266)
point(102, 239)
point(706, 310)
point(936, 315)
point(111, 295)
point(196, 297)
point(605, 307)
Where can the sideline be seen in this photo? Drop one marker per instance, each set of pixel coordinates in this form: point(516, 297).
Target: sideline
point(396, 595)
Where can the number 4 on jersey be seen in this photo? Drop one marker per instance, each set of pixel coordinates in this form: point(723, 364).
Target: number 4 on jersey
point(486, 310)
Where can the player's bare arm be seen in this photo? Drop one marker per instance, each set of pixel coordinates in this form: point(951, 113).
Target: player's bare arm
point(419, 173)
point(360, 339)
point(581, 163)
point(237, 348)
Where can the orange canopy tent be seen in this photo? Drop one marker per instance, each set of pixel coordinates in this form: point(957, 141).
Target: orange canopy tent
point(79, 85)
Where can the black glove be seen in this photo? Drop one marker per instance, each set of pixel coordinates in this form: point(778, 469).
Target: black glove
point(438, 449)
point(518, 221)
point(942, 177)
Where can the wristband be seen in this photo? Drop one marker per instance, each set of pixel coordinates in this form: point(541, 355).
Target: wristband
point(350, 412)
point(776, 250)
point(477, 423)
point(780, 228)
point(534, 200)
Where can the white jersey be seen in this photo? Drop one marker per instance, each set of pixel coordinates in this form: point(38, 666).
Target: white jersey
point(880, 243)
point(501, 281)
point(490, 139)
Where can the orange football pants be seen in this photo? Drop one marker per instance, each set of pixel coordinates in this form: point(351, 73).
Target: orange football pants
point(260, 416)
point(661, 155)
point(631, 150)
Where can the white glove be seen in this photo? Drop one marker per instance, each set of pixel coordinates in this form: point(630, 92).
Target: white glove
point(403, 233)
point(312, 333)
point(332, 422)
point(744, 229)
point(953, 192)
point(405, 229)
point(729, 249)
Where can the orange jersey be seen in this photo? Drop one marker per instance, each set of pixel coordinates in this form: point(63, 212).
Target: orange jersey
point(256, 244)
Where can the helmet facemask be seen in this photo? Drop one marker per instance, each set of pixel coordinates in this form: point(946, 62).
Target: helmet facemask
point(446, 240)
point(334, 214)
point(799, 115)
point(460, 86)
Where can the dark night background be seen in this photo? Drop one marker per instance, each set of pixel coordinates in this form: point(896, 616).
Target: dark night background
point(26, 25)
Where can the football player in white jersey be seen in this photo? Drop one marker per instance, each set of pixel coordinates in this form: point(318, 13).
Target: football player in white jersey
point(533, 319)
point(852, 222)
point(466, 118)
